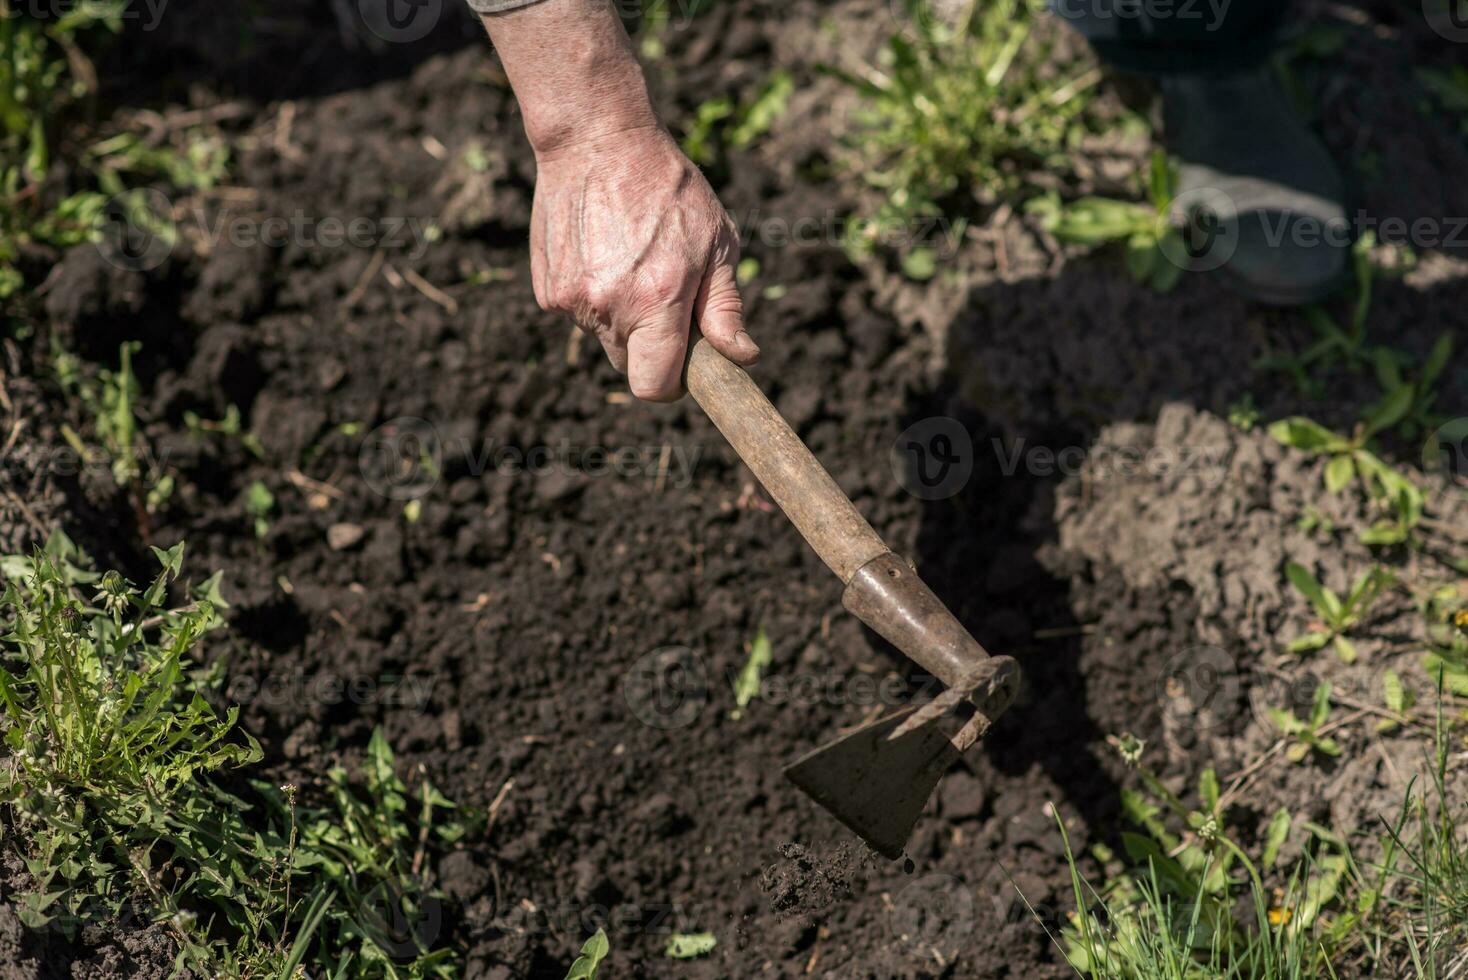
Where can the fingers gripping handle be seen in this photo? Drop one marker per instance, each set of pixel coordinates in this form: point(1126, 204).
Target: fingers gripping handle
point(784, 466)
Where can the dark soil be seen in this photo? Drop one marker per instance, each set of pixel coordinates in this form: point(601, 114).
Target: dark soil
point(511, 631)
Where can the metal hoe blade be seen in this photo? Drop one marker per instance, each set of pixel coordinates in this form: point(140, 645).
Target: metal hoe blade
point(876, 784)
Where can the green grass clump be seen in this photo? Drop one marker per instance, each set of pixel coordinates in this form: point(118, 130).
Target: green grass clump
point(42, 72)
point(1191, 902)
point(56, 194)
point(958, 116)
point(1427, 857)
point(114, 795)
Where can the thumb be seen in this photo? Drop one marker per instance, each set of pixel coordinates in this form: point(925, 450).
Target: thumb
point(719, 311)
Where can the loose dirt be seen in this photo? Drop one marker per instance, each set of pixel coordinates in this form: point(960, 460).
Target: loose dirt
point(554, 627)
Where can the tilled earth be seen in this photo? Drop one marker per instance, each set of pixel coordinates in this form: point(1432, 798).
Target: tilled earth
point(542, 590)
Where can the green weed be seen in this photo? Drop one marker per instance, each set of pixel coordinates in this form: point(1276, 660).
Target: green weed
point(1348, 458)
point(114, 801)
point(230, 427)
point(1152, 242)
point(1337, 616)
point(1407, 404)
point(1449, 86)
point(1418, 895)
point(688, 946)
point(593, 952)
point(109, 402)
point(1175, 916)
point(1305, 733)
point(43, 71)
point(719, 125)
point(959, 116)
point(747, 684)
point(259, 505)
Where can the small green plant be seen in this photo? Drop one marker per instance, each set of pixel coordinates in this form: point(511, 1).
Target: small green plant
point(259, 505)
point(960, 114)
point(1305, 734)
point(688, 946)
point(45, 73)
point(1405, 404)
point(229, 427)
point(1337, 616)
point(1450, 87)
point(719, 124)
point(1446, 662)
point(747, 684)
point(1408, 404)
point(593, 952)
point(1348, 458)
point(1244, 413)
point(1312, 519)
point(1397, 698)
point(109, 402)
point(1152, 242)
point(1333, 343)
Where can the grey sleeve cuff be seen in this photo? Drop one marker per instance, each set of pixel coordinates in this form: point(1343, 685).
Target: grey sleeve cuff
point(497, 6)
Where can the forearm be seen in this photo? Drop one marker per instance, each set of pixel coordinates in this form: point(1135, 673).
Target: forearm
point(573, 71)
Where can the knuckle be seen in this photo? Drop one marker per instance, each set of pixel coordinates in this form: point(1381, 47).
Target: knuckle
point(600, 296)
point(562, 297)
point(653, 391)
point(663, 284)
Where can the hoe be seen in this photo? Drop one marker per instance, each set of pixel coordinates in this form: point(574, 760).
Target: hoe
point(877, 779)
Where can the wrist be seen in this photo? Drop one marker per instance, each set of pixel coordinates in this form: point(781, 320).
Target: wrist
point(588, 121)
point(574, 73)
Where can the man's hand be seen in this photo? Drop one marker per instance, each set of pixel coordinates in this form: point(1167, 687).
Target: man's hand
point(629, 241)
point(627, 238)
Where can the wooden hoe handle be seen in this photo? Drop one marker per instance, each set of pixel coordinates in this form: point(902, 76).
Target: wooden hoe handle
point(789, 472)
point(882, 590)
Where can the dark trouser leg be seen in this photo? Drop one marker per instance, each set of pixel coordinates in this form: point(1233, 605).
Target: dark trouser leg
point(1165, 36)
point(1263, 202)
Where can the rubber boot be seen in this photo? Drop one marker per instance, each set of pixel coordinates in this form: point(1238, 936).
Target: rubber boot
point(1261, 202)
